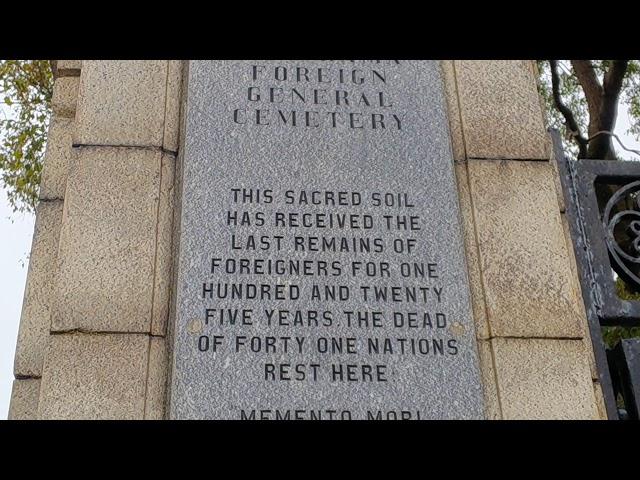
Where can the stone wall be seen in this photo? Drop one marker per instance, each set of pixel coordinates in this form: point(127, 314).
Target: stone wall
point(92, 339)
point(535, 353)
point(93, 334)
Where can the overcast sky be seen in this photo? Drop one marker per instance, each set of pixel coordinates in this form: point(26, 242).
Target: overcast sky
point(15, 244)
point(16, 231)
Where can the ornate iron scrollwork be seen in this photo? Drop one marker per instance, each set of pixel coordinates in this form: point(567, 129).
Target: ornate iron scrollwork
point(622, 229)
point(602, 208)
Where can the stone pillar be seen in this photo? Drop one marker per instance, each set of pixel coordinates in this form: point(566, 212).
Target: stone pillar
point(92, 339)
point(96, 307)
point(536, 356)
point(33, 334)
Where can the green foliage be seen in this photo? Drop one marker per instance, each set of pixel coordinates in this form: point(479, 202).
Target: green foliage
point(631, 95)
point(573, 97)
point(612, 335)
point(26, 88)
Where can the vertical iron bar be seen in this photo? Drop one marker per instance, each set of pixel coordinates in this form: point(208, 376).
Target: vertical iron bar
point(588, 284)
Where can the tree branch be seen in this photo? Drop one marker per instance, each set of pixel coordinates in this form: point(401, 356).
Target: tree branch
point(637, 152)
point(601, 147)
point(592, 89)
point(569, 118)
point(588, 79)
point(614, 76)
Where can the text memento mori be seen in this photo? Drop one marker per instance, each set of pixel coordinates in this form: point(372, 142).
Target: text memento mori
point(321, 267)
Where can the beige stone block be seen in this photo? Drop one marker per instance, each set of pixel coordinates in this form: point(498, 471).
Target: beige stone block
point(36, 306)
point(500, 110)
point(572, 261)
point(557, 182)
point(65, 96)
point(95, 376)
point(156, 397)
point(489, 382)
point(24, 399)
point(602, 409)
point(108, 241)
point(453, 109)
point(528, 285)
point(122, 103)
point(544, 379)
point(581, 307)
point(472, 254)
point(172, 110)
point(57, 158)
point(164, 257)
point(69, 68)
point(591, 356)
point(584, 322)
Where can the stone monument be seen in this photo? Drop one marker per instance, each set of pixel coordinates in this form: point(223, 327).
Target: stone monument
point(321, 269)
point(335, 239)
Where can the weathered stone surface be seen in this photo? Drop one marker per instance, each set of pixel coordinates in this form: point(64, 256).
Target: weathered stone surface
point(347, 152)
point(557, 183)
point(57, 158)
point(172, 110)
point(69, 68)
point(529, 288)
point(95, 376)
point(24, 399)
point(500, 109)
point(471, 252)
point(108, 241)
point(493, 410)
point(544, 379)
point(122, 103)
point(65, 96)
point(156, 397)
point(591, 356)
point(602, 410)
point(164, 257)
point(573, 266)
point(36, 306)
point(453, 109)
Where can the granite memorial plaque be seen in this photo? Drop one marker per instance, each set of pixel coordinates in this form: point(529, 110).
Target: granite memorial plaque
point(321, 270)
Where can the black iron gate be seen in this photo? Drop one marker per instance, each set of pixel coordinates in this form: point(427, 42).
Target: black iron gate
point(602, 202)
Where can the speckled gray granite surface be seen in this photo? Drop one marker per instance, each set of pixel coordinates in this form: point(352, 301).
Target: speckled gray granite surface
point(318, 188)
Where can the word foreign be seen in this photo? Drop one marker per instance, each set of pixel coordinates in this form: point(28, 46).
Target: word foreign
point(319, 97)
